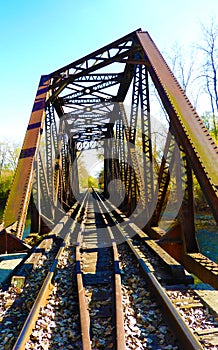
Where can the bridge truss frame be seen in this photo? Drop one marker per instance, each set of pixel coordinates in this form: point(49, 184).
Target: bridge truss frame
point(81, 106)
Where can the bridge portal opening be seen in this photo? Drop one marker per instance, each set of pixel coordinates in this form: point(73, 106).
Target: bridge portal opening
point(91, 169)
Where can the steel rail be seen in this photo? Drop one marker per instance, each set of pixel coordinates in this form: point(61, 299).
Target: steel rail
point(83, 307)
point(183, 332)
point(45, 290)
point(187, 339)
point(120, 333)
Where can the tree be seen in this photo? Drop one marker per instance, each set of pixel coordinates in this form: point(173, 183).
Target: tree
point(5, 183)
point(9, 154)
point(101, 179)
point(82, 172)
point(184, 67)
point(92, 182)
point(12, 156)
point(197, 72)
point(209, 48)
point(211, 124)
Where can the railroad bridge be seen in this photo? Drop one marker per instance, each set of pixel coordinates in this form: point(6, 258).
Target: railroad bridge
point(105, 101)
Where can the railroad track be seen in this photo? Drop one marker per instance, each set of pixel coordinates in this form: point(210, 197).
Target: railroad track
point(18, 307)
point(99, 283)
point(97, 295)
point(195, 326)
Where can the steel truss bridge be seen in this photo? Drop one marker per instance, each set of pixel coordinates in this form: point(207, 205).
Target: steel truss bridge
point(82, 106)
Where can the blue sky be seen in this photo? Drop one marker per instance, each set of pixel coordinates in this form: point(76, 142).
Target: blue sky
point(38, 37)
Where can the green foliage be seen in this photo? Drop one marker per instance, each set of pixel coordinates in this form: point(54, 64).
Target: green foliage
point(2, 205)
point(9, 154)
point(92, 182)
point(83, 181)
point(83, 174)
point(101, 179)
point(5, 183)
point(199, 198)
point(211, 123)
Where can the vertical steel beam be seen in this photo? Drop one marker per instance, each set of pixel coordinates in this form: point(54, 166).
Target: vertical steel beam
point(166, 166)
point(73, 188)
point(187, 208)
point(35, 203)
point(140, 105)
point(108, 167)
point(146, 135)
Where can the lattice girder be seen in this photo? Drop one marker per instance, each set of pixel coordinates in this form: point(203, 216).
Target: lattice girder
point(85, 92)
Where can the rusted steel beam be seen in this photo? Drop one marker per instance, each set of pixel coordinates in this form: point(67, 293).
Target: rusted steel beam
point(19, 197)
point(189, 129)
point(11, 244)
point(81, 62)
point(124, 47)
point(205, 269)
point(163, 180)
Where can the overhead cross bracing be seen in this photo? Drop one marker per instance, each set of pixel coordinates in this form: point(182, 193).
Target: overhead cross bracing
point(81, 106)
